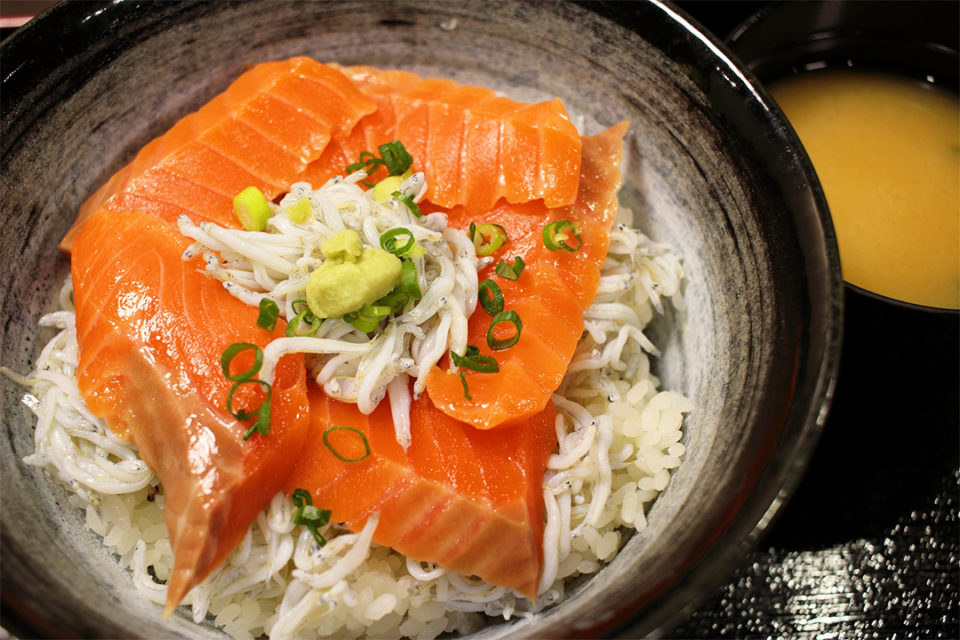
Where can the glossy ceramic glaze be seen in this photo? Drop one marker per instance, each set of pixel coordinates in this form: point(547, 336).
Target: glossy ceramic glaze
point(710, 169)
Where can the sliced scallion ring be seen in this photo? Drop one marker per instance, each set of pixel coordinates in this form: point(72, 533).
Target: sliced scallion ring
point(557, 235)
point(303, 315)
point(338, 427)
point(368, 162)
point(510, 271)
point(487, 237)
point(396, 300)
point(388, 241)
point(235, 349)
point(374, 310)
point(490, 297)
point(252, 209)
point(244, 414)
point(511, 317)
point(409, 283)
point(262, 413)
point(406, 290)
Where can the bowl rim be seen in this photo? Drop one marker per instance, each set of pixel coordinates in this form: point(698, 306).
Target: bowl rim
point(822, 381)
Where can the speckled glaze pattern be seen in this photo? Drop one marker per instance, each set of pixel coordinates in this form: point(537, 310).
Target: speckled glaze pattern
point(709, 169)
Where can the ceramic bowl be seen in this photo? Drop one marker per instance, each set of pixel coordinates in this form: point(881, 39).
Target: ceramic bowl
point(710, 168)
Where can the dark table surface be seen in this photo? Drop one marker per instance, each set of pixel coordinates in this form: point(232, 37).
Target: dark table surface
point(869, 545)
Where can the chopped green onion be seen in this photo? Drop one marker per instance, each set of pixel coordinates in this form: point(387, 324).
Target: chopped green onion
point(363, 438)
point(393, 156)
point(301, 497)
point(361, 324)
point(310, 516)
point(396, 157)
point(511, 317)
point(492, 303)
point(299, 212)
point(374, 311)
point(510, 271)
point(396, 300)
point(406, 290)
point(261, 413)
point(368, 317)
point(269, 312)
point(304, 315)
point(243, 414)
point(487, 237)
point(408, 201)
point(368, 162)
point(408, 280)
point(466, 387)
point(252, 209)
point(262, 425)
point(557, 235)
point(471, 359)
point(388, 241)
point(235, 349)
point(366, 324)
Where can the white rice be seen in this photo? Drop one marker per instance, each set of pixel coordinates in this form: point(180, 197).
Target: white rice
point(619, 440)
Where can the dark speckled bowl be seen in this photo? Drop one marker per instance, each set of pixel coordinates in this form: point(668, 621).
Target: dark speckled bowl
point(711, 169)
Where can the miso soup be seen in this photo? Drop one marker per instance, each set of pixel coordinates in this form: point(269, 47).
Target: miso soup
point(887, 152)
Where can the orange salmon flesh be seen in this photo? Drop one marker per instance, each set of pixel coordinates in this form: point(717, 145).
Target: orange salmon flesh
point(467, 493)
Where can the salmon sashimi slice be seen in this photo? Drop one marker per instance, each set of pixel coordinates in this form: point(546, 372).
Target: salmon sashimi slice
point(550, 295)
point(263, 131)
point(474, 146)
point(151, 330)
point(467, 500)
point(152, 327)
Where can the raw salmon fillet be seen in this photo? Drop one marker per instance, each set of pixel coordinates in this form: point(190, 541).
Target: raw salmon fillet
point(467, 500)
point(151, 330)
point(550, 295)
point(264, 130)
point(152, 327)
point(474, 146)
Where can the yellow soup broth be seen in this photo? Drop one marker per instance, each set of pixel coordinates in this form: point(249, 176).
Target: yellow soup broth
point(887, 152)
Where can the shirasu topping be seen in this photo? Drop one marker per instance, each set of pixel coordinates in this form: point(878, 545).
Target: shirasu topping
point(352, 365)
